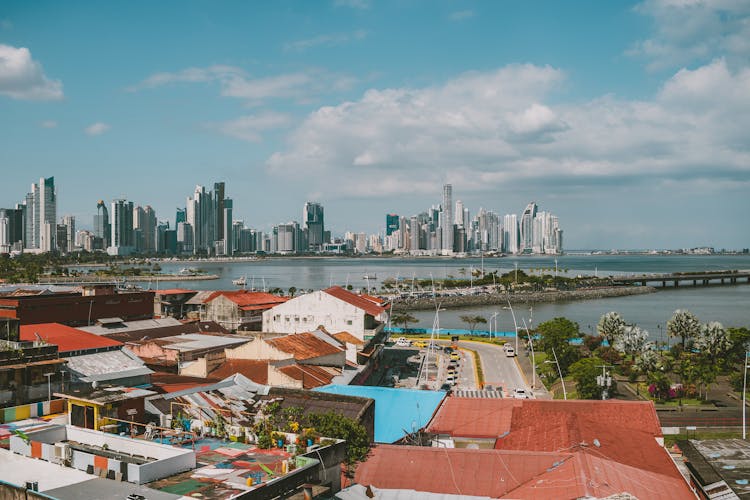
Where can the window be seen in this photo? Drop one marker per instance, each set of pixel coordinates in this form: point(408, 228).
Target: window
point(349, 322)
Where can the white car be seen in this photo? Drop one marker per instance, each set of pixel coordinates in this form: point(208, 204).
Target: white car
point(509, 351)
point(519, 393)
point(403, 342)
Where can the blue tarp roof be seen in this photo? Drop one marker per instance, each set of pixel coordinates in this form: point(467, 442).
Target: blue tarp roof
point(397, 411)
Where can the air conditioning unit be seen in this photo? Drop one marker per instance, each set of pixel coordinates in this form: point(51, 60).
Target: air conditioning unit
point(32, 485)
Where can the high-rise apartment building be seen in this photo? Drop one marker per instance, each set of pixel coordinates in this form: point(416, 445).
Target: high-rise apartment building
point(447, 221)
point(527, 228)
point(391, 224)
point(69, 222)
point(312, 217)
point(11, 229)
point(144, 220)
point(510, 234)
point(41, 216)
point(121, 238)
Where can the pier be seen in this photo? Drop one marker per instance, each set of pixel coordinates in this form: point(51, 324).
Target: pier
point(705, 278)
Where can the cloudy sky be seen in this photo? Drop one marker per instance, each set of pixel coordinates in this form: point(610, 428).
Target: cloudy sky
point(630, 121)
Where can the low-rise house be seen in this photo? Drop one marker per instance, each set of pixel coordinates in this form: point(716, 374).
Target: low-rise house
point(170, 353)
point(542, 449)
point(719, 468)
point(91, 359)
point(335, 309)
point(239, 309)
point(172, 302)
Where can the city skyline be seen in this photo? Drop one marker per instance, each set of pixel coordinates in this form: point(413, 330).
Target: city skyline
point(627, 118)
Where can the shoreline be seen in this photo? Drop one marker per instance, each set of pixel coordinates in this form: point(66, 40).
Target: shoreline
point(140, 279)
point(454, 302)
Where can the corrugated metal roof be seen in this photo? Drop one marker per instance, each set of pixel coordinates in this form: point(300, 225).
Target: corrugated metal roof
point(255, 370)
point(66, 338)
point(397, 411)
point(513, 474)
point(305, 345)
point(131, 326)
point(310, 376)
point(109, 365)
point(196, 341)
point(348, 338)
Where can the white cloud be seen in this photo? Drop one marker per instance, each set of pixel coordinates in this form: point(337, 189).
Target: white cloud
point(461, 15)
point(249, 127)
point(689, 31)
point(328, 40)
point(234, 82)
point(498, 130)
point(48, 124)
point(23, 78)
point(97, 128)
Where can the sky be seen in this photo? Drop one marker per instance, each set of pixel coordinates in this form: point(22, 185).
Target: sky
point(627, 120)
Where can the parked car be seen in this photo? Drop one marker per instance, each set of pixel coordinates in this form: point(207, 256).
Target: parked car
point(446, 387)
point(447, 349)
point(420, 343)
point(435, 346)
point(455, 356)
point(451, 379)
point(403, 342)
point(519, 393)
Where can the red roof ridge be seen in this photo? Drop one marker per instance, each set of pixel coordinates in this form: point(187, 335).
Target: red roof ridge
point(358, 301)
point(66, 338)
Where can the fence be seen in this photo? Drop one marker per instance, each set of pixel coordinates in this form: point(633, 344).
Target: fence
point(40, 409)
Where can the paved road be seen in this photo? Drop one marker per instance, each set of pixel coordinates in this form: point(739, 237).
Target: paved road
point(499, 370)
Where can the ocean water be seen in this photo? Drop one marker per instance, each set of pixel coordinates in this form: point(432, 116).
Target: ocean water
point(729, 305)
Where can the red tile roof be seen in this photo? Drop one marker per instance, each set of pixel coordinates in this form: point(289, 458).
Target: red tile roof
point(304, 346)
point(513, 474)
point(255, 370)
point(311, 376)
point(248, 298)
point(370, 307)
point(66, 338)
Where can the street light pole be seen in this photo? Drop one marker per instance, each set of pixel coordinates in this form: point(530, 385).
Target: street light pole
point(515, 325)
point(565, 393)
point(744, 397)
point(533, 359)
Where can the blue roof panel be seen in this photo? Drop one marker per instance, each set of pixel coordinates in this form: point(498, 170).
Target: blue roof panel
point(397, 411)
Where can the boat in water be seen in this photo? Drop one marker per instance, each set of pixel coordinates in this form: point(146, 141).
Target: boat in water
point(240, 281)
point(370, 276)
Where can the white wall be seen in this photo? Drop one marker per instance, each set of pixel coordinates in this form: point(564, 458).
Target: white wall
point(306, 312)
point(122, 444)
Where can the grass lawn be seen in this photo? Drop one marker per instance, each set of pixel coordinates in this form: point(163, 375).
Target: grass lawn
point(702, 434)
point(687, 402)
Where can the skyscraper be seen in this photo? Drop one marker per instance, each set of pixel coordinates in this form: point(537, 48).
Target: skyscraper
point(121, 239)
point(510, 233)
point(70, 232)
point(144, 220)
point(391, 224)
point(312, 216)
point(41, 215)
point(447, 220)
point(102, 228)
point(218, 199)
point(527, 228)
point(200, 216)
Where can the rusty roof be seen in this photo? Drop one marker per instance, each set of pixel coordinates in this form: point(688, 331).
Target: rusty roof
point(311, 376)
point(347, 338)
point(367, 305)
point(255, 370)
point(305, 345)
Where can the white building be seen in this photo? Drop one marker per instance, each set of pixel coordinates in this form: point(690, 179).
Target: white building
point(336, 309)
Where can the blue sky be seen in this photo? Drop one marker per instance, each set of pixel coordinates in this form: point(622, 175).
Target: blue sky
point(626, 119)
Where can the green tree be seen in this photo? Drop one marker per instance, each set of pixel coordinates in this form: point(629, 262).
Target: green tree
point(472, 321)
point(585, 373)
point(633, 340)
point(556, 334)
point(335, 425)
point(403, 318)
point(292, 291)
point(684, 325)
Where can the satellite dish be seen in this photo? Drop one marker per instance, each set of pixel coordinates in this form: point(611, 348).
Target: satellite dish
point(94, 384)
point(597, 443)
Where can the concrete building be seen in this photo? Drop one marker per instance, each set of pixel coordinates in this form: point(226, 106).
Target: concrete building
point(240, 309)
point(41, 216)
point(335, 309)
point(121, 236)
point(446, 221)
point(313, 220)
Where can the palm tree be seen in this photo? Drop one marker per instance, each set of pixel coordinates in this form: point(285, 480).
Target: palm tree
point(684, 325)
